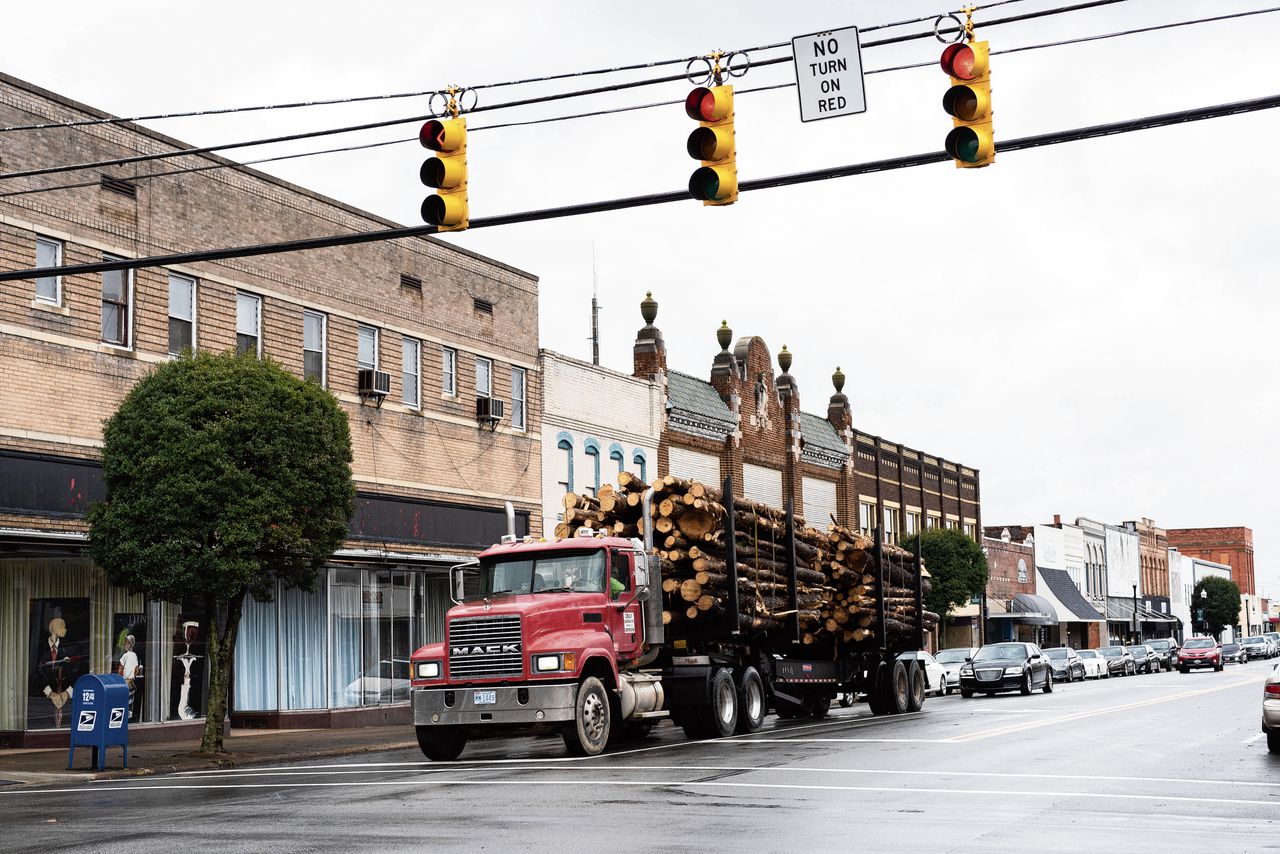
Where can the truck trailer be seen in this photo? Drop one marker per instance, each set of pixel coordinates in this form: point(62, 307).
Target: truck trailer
point(570, 635)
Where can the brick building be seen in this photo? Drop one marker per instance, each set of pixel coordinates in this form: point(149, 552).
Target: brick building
point(1012, 611)
point(1234, 548)
point(747, 422)
point(447, 326)
point(1153, 550)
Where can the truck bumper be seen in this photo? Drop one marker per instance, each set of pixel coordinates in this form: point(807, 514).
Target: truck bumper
point(545, 704)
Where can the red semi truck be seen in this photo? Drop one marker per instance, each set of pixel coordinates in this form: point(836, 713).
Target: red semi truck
point(568, 635)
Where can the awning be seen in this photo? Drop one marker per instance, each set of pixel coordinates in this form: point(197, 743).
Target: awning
point(1064, 589)
point(1120, 610)
point(1030, 610)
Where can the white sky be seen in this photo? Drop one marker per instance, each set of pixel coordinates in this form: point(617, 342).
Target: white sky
point(1091, 325)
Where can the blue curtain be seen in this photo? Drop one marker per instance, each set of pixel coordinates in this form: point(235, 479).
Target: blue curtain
point(302, 648)
point(344, 636)
point(256, 657)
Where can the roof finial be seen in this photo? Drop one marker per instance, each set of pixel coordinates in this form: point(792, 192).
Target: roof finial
point(784, 359)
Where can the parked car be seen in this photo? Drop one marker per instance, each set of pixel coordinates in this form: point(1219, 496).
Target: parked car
point(1199, 652)
point(935, 675)
point(1271, 710)
point(1144, 658)
point(1095, 666)
point(1066, 664)
point(952, 660)
point(1274, 637)
point(1256, 646)
point(1008, 666)
point(1233, 653)
point(1119, 661)
point(1166, 650)
point(385, 682)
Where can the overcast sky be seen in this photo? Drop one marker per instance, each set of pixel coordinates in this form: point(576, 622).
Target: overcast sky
point(1093, 325)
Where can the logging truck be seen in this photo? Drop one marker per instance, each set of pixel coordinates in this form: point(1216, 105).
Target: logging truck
point(600, 633)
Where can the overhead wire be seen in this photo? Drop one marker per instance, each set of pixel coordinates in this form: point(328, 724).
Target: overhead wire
point(208, 149)
point(633, 107)
point(826, 173)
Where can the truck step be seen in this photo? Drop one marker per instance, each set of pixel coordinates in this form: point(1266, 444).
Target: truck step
point(649, 716)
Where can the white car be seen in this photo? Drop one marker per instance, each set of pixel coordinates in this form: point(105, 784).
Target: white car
point(952, 660)
point(935, 673)
point(1095, 666)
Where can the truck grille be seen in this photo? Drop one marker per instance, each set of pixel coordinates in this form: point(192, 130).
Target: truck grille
point(492, 647)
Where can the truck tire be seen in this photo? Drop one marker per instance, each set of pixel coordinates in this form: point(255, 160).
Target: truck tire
point(878, 696)
point(440, 744)
point(899, 688)
point(821, 707)
point(786, 709)
point(915, 680)
point(588, 733)
point(720, 717)
point(752, 706)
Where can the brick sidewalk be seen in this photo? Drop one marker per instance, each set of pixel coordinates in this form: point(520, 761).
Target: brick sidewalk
point(244, 747)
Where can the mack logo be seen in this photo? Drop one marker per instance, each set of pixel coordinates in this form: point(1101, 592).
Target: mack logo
point(491, 649)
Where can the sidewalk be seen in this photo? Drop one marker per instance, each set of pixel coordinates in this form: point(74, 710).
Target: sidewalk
point(244, 747)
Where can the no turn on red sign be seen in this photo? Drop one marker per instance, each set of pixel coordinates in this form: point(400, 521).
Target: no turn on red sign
point(829, 74)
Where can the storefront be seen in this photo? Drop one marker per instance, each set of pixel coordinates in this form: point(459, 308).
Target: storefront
point(1149, 624)
point(1027, 617)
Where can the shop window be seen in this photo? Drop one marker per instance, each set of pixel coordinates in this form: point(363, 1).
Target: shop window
point(642, 464)
point(615, 454)
point(592, 449)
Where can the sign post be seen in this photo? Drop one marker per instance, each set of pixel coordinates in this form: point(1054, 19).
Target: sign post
point(829, 74)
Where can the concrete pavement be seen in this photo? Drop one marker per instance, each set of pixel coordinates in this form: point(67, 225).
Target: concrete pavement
point(1164, 762)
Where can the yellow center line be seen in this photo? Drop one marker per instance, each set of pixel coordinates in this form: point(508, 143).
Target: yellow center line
point(1012, 728)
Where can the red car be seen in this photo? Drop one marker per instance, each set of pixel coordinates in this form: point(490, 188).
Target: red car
point(1199, 652)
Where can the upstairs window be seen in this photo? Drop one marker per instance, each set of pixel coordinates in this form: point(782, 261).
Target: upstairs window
point(49, 254)
point(449, 372)
point(409, 371)
point(484, 377)
point(314, 332)
point(117, 305)
point(248, 324)
point(518, 377)
point(182, 313)
point(366, 348)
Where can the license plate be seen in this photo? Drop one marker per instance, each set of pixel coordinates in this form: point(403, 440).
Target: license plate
point(484, 698)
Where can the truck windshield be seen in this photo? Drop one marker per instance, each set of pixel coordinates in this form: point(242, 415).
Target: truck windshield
point(559, 571)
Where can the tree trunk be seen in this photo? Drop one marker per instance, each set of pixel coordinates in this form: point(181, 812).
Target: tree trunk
point(222, 648)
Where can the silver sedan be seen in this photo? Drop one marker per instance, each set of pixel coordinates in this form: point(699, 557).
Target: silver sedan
point(1271, 710)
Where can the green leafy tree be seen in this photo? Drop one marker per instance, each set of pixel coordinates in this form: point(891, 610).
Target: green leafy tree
point(223, 474)
point(957, 567)
point(1222, 605)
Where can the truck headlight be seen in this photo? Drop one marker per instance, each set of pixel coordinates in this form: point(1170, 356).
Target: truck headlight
point(560, 661)
point(428, 670)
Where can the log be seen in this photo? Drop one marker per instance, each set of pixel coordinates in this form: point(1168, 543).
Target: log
point(690, 590)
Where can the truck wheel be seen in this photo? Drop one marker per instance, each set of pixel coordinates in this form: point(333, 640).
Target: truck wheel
point(440, 744)
point(723, 713)
point(751, 704)
point(588, 733)
point(786, 709)
point(899, 689)
point(915, 680)
point(878, 696)
point(821, 707)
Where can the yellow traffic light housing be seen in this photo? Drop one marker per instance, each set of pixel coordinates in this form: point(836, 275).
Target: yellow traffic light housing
point(712, 142)
point(971, 141)
point(446, 173)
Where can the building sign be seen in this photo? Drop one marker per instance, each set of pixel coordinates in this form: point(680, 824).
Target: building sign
point(829, 74)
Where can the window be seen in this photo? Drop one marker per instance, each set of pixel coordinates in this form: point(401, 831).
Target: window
point(866, 518)
point(913, 523)
point(49, 254)
point(182, 313)
point(517, 398)
point(409, 371)
point(592, 448)
point(117, 297)
point(953, 524)
point(565, 443)
point(891, 527)
point(314, 332)
point(615, 454)
point(642, 464)
point(366, 347)
point(248, 324)
point(484, 377)
point(449, 372)
point(934, 521)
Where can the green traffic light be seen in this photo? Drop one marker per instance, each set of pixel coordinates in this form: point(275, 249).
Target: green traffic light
point(963, 144)
point(704, 185)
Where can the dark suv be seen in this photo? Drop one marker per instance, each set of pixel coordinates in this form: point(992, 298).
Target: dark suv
point(1145, 659)
point(1166, 650)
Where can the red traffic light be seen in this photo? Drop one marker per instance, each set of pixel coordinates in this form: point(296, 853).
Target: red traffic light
point(700, 105)
point(962, 62)
point(432, 135)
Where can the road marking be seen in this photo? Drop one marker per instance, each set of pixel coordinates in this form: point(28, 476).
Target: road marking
point(1255, 738)
point(832, 741)
point(662, 784)
point(1019, 727)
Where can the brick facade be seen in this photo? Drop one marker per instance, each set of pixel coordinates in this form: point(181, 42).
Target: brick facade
point(1231, 546)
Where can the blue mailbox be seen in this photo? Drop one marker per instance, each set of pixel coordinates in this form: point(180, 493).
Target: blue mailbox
point(99, 717)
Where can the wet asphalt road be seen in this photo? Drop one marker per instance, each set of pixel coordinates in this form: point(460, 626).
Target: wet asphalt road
point(1163, 762)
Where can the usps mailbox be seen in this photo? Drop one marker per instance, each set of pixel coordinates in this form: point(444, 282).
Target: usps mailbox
point(99, 717)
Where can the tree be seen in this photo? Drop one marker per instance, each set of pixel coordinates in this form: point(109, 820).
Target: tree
point(957, 567)
point(224, 473)
point(1222, 605)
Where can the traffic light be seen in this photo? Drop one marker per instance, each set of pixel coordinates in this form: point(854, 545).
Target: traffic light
point(968, 102)
point(716, 181)
point(446, 173)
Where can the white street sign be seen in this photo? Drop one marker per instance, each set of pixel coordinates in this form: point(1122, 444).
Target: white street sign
point(829, 74)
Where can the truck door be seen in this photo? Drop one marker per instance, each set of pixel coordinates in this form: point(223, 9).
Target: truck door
point(625, 624)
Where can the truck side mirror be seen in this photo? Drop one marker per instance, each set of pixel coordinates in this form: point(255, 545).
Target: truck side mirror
point(642, 577)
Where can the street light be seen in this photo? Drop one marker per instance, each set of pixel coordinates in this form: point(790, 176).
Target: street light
point(1136, 636)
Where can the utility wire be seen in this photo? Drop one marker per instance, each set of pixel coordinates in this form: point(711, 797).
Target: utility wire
point(826, 173)
point(325, 102)
point(141, 158)
point(631, 108)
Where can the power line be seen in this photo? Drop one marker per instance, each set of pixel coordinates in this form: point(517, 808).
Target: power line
point(826, 173)
point(141, 158)
point(636, 107)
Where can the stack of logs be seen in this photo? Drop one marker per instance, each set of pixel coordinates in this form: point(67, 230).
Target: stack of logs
point(835, 570)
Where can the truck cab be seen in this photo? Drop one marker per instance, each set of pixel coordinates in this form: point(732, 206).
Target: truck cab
point(543, 636)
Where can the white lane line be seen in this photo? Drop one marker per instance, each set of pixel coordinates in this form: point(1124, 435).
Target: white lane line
point(834, 741)
point(801, 769)
point(1255, 738)
point(662, 784)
